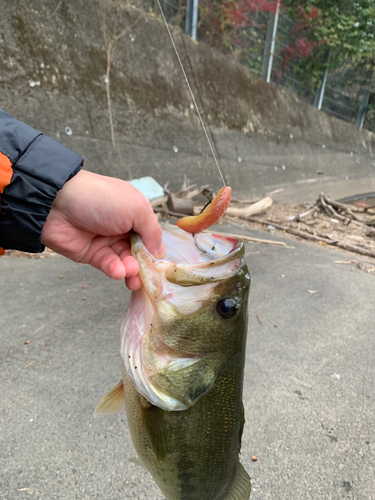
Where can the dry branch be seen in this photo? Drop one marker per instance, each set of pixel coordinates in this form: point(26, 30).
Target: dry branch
point(297, 232)
point(110, 42)
point(159, 201)
point(332, 223)
point(180, 205)
point(246, 212)
point(165, 211)
point(356, 249)
point(254, 240)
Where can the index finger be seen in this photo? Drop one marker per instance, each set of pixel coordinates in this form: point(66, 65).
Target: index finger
point(147, 226)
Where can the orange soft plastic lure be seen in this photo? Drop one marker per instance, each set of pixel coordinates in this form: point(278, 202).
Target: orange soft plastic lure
point(209, 215)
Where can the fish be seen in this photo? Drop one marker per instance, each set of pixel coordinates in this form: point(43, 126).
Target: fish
point(183, 341)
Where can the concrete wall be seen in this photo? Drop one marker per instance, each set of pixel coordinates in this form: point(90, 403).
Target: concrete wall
point(53, 62)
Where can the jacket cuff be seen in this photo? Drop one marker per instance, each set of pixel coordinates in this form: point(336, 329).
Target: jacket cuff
point(25, 203)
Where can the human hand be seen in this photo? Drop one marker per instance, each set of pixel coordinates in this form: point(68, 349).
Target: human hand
point(90, 220)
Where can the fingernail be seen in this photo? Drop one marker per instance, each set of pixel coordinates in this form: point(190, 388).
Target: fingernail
point(161, 253)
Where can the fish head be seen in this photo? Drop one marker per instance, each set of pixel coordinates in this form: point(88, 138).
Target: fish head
point(189, 317)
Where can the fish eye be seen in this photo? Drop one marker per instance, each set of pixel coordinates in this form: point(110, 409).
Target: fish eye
point(226, 308)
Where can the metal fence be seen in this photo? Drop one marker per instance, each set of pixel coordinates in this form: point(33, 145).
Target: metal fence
point(271, 44)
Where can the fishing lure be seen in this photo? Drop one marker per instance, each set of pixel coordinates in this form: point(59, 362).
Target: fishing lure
point(210, 214)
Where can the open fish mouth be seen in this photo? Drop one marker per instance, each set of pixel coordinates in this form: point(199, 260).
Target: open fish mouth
point(167, 347)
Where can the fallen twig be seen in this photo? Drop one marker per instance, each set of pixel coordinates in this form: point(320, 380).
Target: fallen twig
point(255, 240)
point(166, 211)
point(297, 232)
point(159, 201)
point(275, 191)
point(246, 212)
point(27, 366)
point(344, 206)
point(57, 6)
point(363, 266)
point(329, 206)
point(329, 210)
point(356, 249)
point(328, 222)
point(245, 202)
point(304, 214)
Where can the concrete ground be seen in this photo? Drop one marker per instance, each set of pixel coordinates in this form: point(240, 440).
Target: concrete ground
point(309, 384)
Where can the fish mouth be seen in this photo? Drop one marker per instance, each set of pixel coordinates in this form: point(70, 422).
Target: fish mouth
point(196, 249)
point(180, 283)
point(190, 259)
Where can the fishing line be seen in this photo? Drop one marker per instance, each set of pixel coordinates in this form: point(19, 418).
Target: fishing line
point(191, 93)
point(199, 95)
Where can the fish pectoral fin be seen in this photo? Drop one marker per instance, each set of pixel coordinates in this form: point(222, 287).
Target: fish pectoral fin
point(188, 382)
point(154, 424)
point(241, 487)
point(113, 402)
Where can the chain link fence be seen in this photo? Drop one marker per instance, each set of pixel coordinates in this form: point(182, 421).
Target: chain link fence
point(269, 42)
point(174, 10)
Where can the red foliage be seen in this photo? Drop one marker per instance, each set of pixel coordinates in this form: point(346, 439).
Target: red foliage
point(223, 21)
point(301, 49)
point(263, 5)
point(304, 47)
point(314, 13)
point(306, 16)
point(236, 13)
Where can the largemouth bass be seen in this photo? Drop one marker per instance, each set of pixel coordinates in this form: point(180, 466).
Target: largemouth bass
point(183, 351)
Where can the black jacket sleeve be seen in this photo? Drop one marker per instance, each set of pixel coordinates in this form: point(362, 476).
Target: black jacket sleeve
point(41, 166)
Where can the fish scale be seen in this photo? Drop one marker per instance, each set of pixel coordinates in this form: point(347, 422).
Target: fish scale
point(203, 441)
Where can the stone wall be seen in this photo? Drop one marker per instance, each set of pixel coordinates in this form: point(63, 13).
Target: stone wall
point(53, 67)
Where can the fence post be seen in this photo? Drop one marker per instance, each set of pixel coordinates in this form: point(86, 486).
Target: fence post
point(269, 48)
point(364, 103)
point(191, 18)
point(319, 96)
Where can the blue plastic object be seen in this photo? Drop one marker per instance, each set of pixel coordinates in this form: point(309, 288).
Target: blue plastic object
point(149, 187)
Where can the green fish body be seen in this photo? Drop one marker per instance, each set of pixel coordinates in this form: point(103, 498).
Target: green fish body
point(183, 349)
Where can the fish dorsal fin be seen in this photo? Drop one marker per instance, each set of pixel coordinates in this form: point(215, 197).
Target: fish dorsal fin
point(153, 422)
point(113, 402)
point(241, 487)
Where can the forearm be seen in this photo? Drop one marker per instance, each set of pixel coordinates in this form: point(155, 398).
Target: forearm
point(33, 168)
